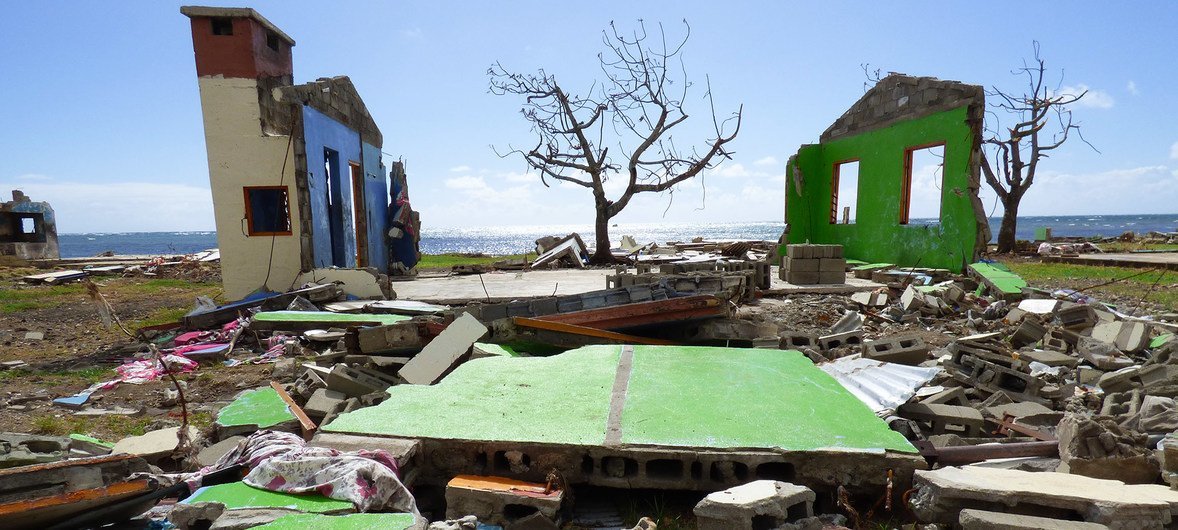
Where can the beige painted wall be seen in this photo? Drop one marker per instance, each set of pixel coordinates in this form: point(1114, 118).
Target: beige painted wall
point(240, 156)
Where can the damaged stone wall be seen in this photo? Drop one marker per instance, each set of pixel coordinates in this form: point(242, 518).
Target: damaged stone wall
point(898, 116)
point(28, 230)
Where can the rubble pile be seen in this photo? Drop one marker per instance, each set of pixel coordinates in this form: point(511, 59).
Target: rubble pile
point(995, 388)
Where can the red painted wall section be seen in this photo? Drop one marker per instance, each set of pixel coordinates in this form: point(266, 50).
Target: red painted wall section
point(242, 54)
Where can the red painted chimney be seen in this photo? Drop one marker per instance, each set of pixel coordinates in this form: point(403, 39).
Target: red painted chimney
point(238, 42)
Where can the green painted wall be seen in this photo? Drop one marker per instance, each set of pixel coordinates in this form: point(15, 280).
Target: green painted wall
point(877, 235)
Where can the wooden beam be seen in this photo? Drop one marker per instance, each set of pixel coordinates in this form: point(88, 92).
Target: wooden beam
point(645, 313)
point(308, 425)
point(572, 329)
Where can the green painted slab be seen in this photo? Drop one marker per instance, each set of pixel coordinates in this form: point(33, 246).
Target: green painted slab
point(236, 495)
point(496, 349)
point(355, 521)
point(676, 397)
point(93, 440)
point(326, 316)
point(871, 266)
point(855, 263)
point(997, 276)
point(560, 399)
point(1160, 340)
point(261, 407)
point(745, 398)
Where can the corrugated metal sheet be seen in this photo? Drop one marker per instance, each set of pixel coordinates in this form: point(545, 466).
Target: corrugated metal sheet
point(882, 386)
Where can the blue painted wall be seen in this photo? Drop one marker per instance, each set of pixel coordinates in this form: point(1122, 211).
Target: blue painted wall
point(319, 132)
point(376, 206)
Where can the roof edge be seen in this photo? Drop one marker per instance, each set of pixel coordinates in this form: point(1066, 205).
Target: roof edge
point(234, 12)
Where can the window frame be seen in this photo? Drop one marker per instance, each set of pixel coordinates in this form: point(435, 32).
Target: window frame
point(906, 180)
point(249, 213)
point(834, 190)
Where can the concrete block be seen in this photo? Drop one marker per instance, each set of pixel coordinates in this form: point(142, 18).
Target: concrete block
point(155, 445)
point(942, 494)
point(1028, 332)
point(803, 265)
point(307, 384)
point(983, 520)
point(801, 251)
point(758, 504)
point(324, 402)
point(832, 265)
point(1077, 317)
point(832, 277)
point(949, 396)
point(353, 382)
point(911, 300)
point(903, 350)
point(1102, 354)
point(500, 501)
point(944, 419)
point(209, 455)
point(444, 352)
point(870, 299)
point(838, 340)
point(796, 340)
point(803, 278)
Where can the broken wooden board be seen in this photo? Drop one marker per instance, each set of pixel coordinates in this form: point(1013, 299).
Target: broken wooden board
point(42, 512)
point(306, 320)
point(1001, 282)
point(55, 277)
point(645, 313)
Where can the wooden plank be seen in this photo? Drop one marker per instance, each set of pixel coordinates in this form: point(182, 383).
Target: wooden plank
point(561, 327)
point(644, 313)
point(44, 511)
point(309, 426)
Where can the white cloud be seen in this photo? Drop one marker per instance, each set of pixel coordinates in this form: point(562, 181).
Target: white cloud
point(460, 169)
point(1094, 98)
point(1146, 189)
point(1174, 151)
point(1132, 88)
point(120, 206)
point(411, 33)
point(477, 190)
point(767, 161)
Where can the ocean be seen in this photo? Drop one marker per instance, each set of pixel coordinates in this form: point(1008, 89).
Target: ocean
point(518, 239)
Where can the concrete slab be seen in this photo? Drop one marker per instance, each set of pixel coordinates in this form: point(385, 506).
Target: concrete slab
point(153, 445)
point(254, 409)
point(443, 351)
point(239, 495)
point(355, 521)
point(1161, 260)
point(567, 399)
point(502, 286)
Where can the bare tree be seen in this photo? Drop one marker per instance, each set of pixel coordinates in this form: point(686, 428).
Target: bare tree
point(1011, 156)
point(620, 128)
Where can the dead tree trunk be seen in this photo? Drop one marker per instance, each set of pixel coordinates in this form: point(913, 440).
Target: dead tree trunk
point(641, 98)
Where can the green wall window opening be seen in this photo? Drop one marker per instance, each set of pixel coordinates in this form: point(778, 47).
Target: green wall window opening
point(924, 172)
point(267, 211)
point(844, 197)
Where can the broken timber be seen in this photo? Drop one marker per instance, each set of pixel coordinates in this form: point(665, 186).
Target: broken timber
point(645, 313)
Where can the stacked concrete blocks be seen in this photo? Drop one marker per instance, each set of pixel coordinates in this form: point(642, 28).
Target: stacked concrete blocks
point(814, 265)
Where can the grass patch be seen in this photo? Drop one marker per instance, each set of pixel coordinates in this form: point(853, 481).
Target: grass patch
point(1074, 276)
point(446, 261)
point(112, 427)
point(16, 299)
point(167, 315)
point(58, 378)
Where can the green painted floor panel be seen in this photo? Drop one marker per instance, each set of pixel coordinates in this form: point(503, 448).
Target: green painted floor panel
point(235, 495)
point(745, 398)
point(1000, 277)
point(676, 397)
point(562, 399)
point(326, 316)
point(356, 521)
point(262, 407)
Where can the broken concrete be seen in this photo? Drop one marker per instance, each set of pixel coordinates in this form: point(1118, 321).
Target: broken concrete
point(442, 353)
point(758, 504)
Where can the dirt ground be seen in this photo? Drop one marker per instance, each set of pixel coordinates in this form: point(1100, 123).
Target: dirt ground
point(77, 350)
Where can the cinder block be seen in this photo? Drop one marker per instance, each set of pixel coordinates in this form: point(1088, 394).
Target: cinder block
point(832, 264)
point(500, 501)
point(796, 340)
point(832, 277)
point(943, 419)
point(903, 350)
point(800, 251)
point(758, 504)
point(1077, 317)
point(354, 383)
point(838, 340)
point(803, 278)
point(308, 383)
point(324, 403)
point(803, 265)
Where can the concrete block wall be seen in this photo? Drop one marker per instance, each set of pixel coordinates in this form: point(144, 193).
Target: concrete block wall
point(898, 97)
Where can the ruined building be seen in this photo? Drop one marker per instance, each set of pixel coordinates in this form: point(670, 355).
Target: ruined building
point(27, 229)
point(296, 170)
point(908, 141)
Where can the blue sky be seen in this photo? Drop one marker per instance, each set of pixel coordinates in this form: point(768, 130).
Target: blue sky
point(100, 112)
